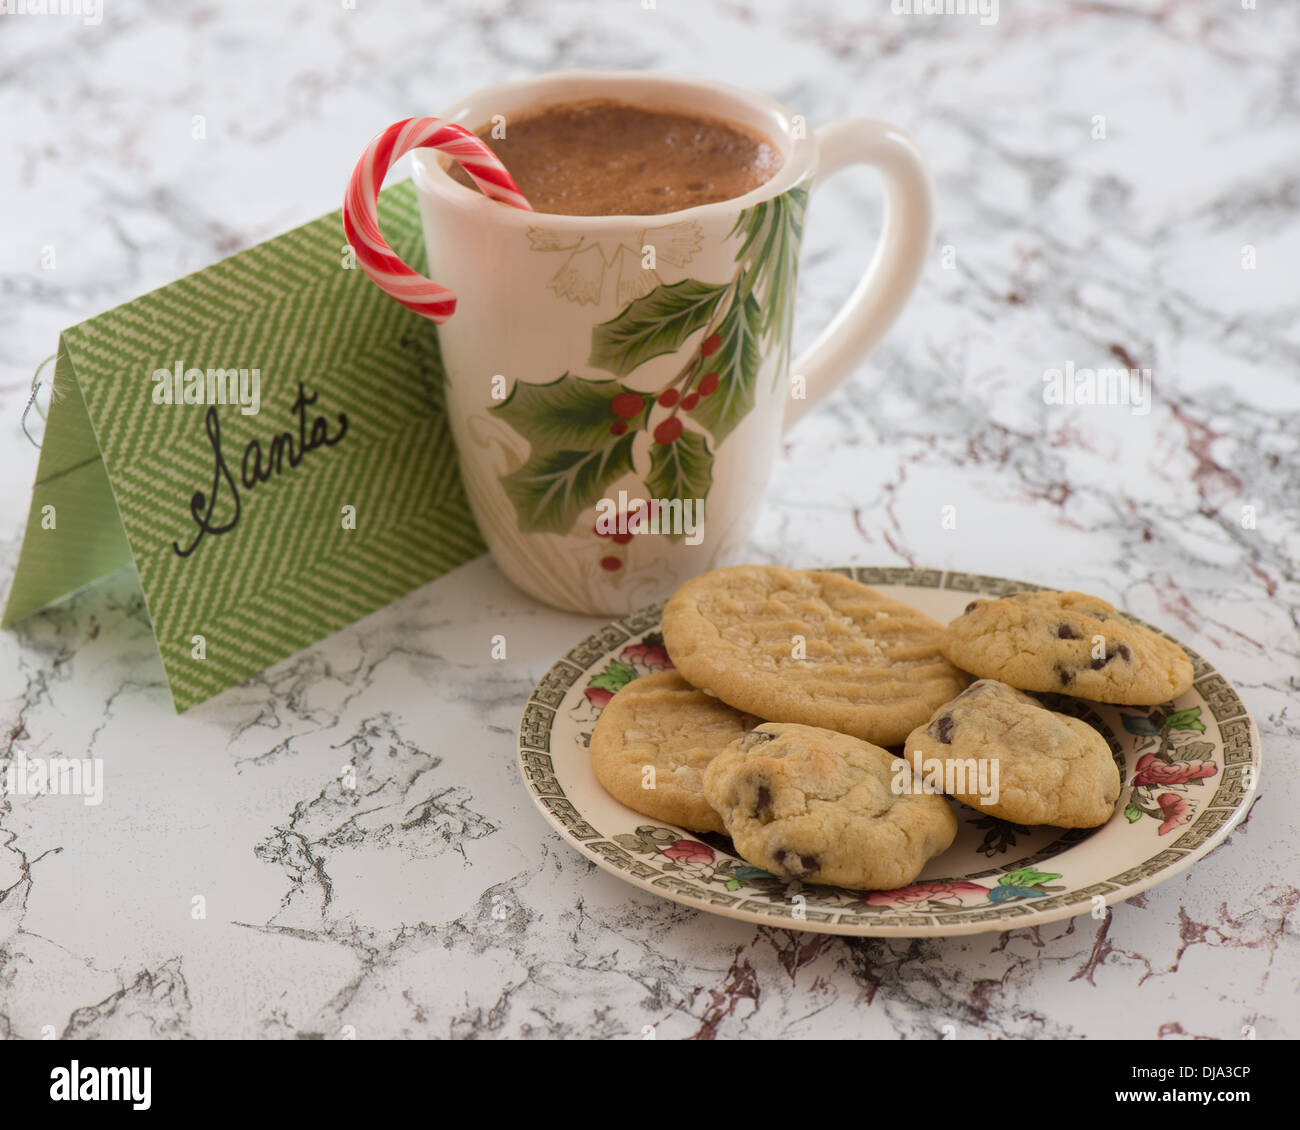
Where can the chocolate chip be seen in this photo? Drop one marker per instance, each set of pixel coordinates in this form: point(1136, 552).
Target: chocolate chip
point(1066, 677)
point(800, 866)
point(756, 737)
point(974, 604)
point(1065, 632)
point(1120, 649)
point(763, 803)
point(941, 728)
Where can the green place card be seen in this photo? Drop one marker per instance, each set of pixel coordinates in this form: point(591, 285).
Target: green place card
point(265, 440)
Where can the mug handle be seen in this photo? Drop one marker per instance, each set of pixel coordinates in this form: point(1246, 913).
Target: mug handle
point(895, 266)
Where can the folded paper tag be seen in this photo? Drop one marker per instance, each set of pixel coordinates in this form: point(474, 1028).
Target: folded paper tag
point(265, 440)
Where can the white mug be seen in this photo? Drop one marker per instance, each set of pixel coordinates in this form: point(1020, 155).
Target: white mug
point(617, 385)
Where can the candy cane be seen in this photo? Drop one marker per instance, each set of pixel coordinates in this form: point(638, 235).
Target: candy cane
point(361, 221)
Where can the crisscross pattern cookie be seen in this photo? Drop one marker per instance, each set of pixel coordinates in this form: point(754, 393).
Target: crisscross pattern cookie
point(810, 647)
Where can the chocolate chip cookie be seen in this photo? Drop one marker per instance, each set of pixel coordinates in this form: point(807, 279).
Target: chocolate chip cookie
point(812, 804)
point(652, 743)
point(1067, 642)
point(1005, 754)
point(810, 647)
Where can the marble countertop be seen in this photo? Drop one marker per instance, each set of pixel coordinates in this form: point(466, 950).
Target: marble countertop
point(436, 902)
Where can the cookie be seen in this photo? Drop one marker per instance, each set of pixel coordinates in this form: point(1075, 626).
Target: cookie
point(1067, 642)
point(659, 730)
point(994, 743)
point(808, 647)
point(812, 804)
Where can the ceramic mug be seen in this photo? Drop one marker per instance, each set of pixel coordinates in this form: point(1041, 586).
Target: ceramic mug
point(617, 385)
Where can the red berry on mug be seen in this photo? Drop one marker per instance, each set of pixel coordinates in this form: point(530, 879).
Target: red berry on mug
point(710, 345)
point(619, 428)
point(668, 431)
point(627, 405)
point(690, 400)
point(668, 397)
point(709, 384)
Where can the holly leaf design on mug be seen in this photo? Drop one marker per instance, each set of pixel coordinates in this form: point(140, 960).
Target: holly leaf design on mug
point(572, 413)
point(580, 434)
point(583, 433)
point(769, 255)
point(658, 323)
point(553, 487)
point(736, 366)
point(681, 469)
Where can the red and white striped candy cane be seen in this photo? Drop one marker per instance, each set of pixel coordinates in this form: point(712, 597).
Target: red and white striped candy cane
point(361, 221)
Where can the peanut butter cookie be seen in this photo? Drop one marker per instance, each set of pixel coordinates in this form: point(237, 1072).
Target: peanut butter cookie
point(652, 743)
point(810, 647)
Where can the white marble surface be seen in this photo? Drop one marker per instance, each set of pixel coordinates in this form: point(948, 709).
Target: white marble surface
point(374, 910)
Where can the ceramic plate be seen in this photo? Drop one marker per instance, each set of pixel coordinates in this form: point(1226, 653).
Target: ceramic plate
point(1190, 770)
